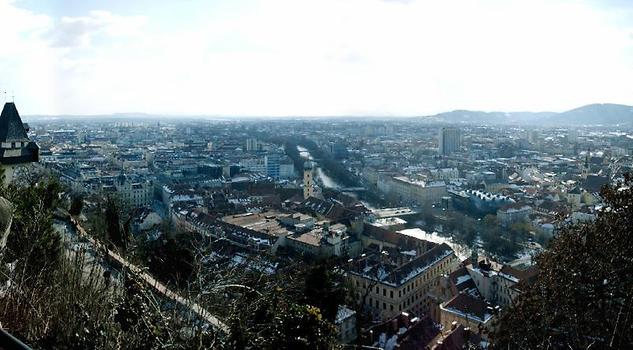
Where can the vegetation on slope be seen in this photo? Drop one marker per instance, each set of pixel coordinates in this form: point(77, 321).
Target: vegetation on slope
point(57, 298)
point(583, 296)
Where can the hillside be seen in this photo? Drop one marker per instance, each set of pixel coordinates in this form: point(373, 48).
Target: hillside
point(592, 114)
point(466, 116)
point(599, 113)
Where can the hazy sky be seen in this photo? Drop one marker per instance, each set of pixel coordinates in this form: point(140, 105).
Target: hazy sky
point(322, 57)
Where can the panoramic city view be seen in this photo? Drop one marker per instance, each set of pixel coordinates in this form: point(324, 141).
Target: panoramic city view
point(333, 174)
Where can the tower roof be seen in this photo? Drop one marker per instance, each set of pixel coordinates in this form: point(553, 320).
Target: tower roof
point(11, 127)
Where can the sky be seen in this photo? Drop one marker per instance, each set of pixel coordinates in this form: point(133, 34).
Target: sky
point(314, 58)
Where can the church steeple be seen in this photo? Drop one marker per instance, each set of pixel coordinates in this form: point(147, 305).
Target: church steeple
point(585, 167)
point(308, 189)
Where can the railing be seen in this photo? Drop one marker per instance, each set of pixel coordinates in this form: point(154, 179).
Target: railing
point(9, 342)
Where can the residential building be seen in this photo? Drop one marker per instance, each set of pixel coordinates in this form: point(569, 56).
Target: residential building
point(497, 283)
point(411, 191)
point(389, 281)
point(134, 191)
point(345, 323)
point(513, 213)
point(467, 310)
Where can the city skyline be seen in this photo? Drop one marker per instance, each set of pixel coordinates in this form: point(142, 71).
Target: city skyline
point(376, 58)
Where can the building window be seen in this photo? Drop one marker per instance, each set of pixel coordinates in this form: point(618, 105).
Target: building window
point(391, 294)
point(384, 292)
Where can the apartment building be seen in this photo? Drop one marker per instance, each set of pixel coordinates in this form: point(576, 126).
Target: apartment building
point(389, 281)
point(412, 191)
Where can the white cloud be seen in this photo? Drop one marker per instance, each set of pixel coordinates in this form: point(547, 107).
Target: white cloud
point(79, 31)
point(327, 57)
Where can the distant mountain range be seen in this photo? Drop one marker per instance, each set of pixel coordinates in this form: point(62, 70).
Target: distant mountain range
point(593, 114)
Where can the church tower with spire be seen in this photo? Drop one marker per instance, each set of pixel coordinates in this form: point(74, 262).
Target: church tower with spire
point(585, 166)
point(308, 174)
point(16, 149)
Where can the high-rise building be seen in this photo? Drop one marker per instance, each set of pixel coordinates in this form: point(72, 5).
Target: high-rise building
point(286, 168)
point(532, 136)
point(449, 140)
point(572, 135)
point(252, 145)
point(272, 165)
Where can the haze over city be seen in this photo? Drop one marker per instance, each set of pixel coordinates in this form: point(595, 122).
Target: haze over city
point(314, 58)
point(316, 175)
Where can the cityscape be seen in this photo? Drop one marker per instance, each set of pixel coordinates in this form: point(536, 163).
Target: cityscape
point(316, 224)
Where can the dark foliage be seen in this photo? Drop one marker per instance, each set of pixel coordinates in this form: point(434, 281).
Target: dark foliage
point(172, 260)
point(33, 243)
point(114, 233)
point(320, 291)
point(583, 296)
point(275, 322)
point(76, 204)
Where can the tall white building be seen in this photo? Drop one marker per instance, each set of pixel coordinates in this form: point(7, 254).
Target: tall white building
point(449, 140)
point(252, 145)
point(286, 170)
point(254, 164)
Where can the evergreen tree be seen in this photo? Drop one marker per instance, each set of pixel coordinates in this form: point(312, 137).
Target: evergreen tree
point(172, 261)
point(274, 322)
point(583, 295)
point(321, 292)
point(114, 233)
point(76, 205)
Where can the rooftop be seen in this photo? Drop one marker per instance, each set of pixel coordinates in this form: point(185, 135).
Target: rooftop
point(265, 222)
point(11, 127)
point(388, 271)
point(468, 306)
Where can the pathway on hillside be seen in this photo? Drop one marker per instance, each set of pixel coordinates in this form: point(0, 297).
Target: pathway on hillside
point(151, 281)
